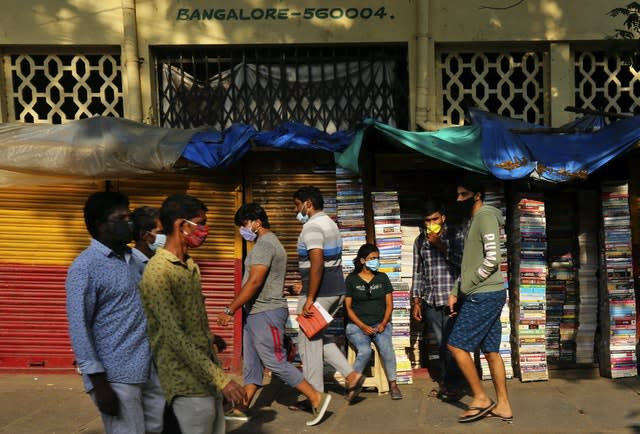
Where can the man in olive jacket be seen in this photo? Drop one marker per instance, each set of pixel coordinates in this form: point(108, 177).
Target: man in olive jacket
point(482, 294)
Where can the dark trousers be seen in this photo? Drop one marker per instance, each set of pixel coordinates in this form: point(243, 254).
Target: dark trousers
point(442, 324)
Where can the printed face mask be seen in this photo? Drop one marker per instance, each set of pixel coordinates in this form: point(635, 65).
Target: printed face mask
point(247, 234)
point(433, 228)
point(373, 264)
point(197, 235)
point(159, 241)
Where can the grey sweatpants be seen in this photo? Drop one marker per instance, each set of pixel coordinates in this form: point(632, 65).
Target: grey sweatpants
point(315, 351)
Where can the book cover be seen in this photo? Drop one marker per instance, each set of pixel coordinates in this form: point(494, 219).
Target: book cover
point(319, 319)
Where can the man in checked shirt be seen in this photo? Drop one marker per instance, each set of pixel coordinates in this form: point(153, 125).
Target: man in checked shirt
point(437, 254)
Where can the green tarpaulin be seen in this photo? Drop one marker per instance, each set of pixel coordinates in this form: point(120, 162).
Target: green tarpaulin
point(460, 146)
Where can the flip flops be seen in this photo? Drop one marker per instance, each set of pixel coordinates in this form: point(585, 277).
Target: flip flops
point(507, 419)
point(481, 412)
point(354, 391)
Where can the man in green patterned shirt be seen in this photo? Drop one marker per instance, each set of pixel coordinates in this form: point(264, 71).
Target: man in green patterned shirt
point(191, 376)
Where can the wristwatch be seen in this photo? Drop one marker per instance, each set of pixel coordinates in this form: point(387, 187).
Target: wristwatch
point(227, 311)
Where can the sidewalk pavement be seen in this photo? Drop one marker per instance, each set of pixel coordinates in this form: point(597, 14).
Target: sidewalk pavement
point(578, 402)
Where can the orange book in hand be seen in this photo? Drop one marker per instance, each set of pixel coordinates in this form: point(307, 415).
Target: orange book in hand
point(319, 319)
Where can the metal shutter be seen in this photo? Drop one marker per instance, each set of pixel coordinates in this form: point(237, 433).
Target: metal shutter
point(42, 232)
point(219, 258)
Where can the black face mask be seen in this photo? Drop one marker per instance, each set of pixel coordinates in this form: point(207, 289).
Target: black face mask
point(121, 231)
point(465, 206)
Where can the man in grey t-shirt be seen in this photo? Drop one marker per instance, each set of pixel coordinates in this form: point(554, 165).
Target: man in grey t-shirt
point(262, 294)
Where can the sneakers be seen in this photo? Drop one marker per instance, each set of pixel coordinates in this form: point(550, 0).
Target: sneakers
point(318, 412)
point(395, 393)
point(236, 413)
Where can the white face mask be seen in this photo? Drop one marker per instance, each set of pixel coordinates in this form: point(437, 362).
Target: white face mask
point(159, 241)
point(302, 218)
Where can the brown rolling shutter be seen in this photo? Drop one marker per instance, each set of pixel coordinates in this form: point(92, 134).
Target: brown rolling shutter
point(219, 258)
point(273, 184)
point(42, 232)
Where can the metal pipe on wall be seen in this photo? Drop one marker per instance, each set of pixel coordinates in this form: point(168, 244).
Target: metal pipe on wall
point(131, 62)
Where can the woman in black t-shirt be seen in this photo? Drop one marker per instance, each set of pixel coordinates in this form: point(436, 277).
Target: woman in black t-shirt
point(369, 302)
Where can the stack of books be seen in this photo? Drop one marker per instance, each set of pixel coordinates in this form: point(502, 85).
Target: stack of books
point(588, 225)
point(409, 235)
point(494, 196)
point(388, 233)
point(529, 270)
point(618, 304)
point(561, 292)
point(350, 216)
point(292, 328)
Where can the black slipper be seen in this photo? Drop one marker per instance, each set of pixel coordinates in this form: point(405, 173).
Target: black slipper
point(482, 412)
point(304, 405)
point(353, 392)
point(507, 419)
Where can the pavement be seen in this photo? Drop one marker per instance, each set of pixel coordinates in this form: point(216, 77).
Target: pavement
point(573, 401)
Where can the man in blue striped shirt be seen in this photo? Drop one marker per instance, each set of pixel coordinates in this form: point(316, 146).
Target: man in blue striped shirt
point(320, 262)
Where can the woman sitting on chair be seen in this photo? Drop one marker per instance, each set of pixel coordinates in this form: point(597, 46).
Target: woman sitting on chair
point(369, 302)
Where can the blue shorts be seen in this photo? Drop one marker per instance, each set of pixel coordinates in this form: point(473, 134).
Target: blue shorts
point(478, 322)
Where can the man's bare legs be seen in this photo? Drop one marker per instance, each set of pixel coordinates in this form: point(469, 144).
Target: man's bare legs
point(468, 369)
point(499, 378)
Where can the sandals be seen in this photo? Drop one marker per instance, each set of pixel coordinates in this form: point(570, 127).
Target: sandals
point(304, 405)
point(481, 412)
point(354, 391)
point(507, 419)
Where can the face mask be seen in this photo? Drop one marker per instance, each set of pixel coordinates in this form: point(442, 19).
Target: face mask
point(248, 234)
point(434, 228)
point(373, 264)
point(122, 230)
point(197, 235)
point(466, 206)
point(302, 218)
point(159, 241)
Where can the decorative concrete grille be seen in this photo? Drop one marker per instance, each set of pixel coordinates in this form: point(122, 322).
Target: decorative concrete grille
point(54, 88)
point(604, 82)
point(508, 83)
point(328, 87)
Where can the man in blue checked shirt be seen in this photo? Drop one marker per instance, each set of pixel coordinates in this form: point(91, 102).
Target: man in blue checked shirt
point(107, 323)
point(437, 254)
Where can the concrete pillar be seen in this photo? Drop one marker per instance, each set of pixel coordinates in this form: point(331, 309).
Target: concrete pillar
point(562, 83)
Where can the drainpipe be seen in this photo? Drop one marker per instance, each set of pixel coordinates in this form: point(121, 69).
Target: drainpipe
point(131, 62)
point(424, 58)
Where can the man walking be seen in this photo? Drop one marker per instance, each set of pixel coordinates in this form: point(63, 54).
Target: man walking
point(437, 253)
point(191, 375)
point(320, 262)
point(482, 294)
point(107, 323)
point(266, 308)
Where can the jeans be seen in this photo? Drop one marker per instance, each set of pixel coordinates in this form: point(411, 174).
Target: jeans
point(362, 342)
point(200, 414)
point(442, 324)
point(141, 407)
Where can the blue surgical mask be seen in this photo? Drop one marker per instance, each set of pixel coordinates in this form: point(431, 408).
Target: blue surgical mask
point(247, 233)
point(159, 241)
point(373, 264)
point(302, 218)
